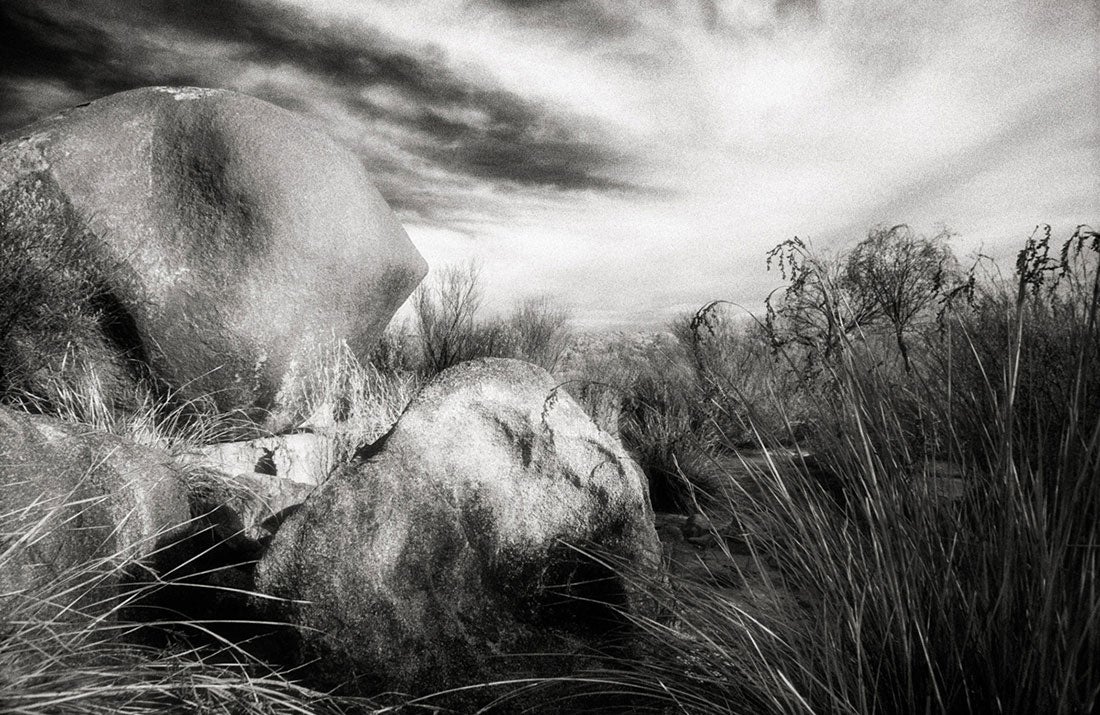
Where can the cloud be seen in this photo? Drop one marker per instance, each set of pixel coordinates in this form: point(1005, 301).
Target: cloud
point(469, 130)
point(635, 156)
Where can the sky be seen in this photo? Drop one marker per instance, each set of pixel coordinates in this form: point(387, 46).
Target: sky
point(634, 159)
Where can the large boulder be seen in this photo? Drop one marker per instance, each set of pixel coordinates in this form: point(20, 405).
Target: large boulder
point(78, 506)
point(459, 542)
point(209, 237)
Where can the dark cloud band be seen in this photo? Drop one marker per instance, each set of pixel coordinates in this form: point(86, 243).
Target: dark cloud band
point(459, 126)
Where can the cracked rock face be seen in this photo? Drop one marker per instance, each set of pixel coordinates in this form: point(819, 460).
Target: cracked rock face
point(222, 236)
point(448, 548)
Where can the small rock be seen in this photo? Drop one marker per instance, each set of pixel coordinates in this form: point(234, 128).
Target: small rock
point(306, 458)
point(260, 503)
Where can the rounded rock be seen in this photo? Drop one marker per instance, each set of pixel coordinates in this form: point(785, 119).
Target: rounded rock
point(463, 539)
point(223, 236)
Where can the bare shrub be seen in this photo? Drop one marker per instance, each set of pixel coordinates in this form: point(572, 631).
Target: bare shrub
point(893, 280)
point(535, 330)
point(445, 307)
point(541, 331)
point(901, 277)
point(397, 351)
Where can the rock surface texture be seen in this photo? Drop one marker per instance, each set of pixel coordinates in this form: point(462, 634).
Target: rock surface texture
point(303, 458)
point(79, 502)
point(254, 505)
point(446, 549)
point(215, 235)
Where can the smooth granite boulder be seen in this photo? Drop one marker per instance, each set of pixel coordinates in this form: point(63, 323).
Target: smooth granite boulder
point(207, 238)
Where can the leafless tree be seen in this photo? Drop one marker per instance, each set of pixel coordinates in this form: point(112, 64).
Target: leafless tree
point(445, 307)
point(894, 277)
point(900, 276)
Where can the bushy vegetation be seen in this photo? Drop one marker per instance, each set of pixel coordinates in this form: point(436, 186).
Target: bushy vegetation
point(939, 552)
point(54, 314)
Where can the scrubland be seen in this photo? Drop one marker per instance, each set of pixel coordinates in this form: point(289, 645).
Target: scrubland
point(899, 459)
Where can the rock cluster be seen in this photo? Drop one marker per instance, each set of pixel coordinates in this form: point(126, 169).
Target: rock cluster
point(485, 536)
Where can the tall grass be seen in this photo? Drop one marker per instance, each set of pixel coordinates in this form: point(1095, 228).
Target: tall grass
point(78, 395)
point(69, 644)
point(354, 402)
point(56, 317)
point(954, 571)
